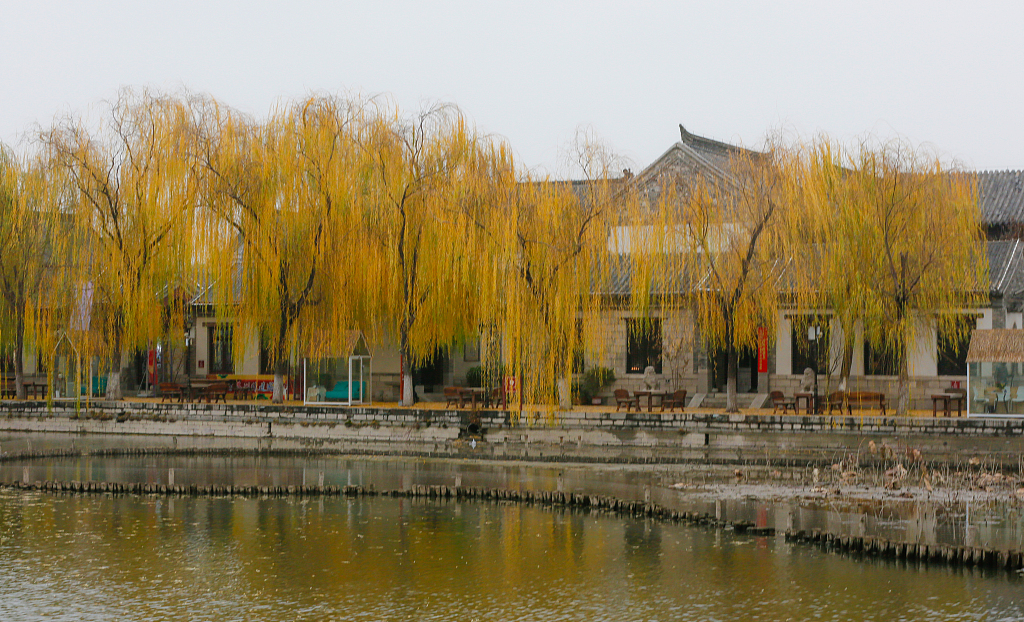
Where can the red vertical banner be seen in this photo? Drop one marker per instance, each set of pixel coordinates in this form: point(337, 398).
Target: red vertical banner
point(762, 350)
point(151, 367)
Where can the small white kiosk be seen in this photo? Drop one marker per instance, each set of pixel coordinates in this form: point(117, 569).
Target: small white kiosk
point(345, 379)
point(995, 373)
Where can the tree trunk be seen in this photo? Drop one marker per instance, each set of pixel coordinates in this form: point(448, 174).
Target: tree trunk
point(407, 397)
point(19, 354)
point(114, 384)
point(903, 384)
point(847, 362)
point(114, 378)
point(281, 357)
point(732, 372)
point(564, 394)
point(280, 380)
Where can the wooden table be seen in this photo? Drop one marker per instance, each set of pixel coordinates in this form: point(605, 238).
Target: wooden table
point(946, 400)
point(650, 395)
point(472, 393)
point(810, 402)
point(194, 390)
point(960, 397)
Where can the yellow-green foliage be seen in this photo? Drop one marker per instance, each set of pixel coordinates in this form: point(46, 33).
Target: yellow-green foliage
point(29, 256)
point(890, 239)
point(330, 215)
point(130, 191)
point(730, 248)
point(275, 197)
point(334, 214)
point(424, 182)
point(550, 247)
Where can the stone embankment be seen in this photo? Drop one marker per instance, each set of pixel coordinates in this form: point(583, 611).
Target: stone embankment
point(860, 546)
point(262, 419)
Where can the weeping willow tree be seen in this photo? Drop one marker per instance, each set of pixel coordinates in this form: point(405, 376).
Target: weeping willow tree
point(898, 247)
point(278, 197)
point(29, 221)
point(419, 256)
point(551, 261)
point(730, 233)
point(133, 194)
point(544, 287)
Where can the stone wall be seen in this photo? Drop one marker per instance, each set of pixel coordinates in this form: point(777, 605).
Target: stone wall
point(433, 425)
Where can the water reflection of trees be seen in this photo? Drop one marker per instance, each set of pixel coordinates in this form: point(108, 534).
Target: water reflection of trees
point(400, 557)
point(642, 540)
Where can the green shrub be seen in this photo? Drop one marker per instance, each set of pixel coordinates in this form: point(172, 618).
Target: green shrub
point(475, 376)
point(593, 381)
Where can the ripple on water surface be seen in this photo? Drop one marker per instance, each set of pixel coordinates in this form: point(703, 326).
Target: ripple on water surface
point(100, 557)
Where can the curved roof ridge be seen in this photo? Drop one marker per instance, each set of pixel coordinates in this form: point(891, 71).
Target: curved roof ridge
point(687, 136)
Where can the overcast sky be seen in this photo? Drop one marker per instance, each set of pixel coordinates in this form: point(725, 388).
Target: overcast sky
point(947, 74)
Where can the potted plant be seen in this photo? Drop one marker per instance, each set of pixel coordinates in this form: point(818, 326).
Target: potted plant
point(594, 380)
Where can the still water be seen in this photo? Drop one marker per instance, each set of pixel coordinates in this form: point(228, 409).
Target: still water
point(104, 557)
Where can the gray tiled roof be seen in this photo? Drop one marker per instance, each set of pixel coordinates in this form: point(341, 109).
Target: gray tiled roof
point(1005, 258)
point(1001, 194)
point(1006, 266)
point(672, 281)
point(713, 151)
point(693, 154)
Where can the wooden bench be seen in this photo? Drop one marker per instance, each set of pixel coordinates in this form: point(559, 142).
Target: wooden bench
point(241, 391)
point(496, 398)
point(170, 391)
point(860, 399)
point(36, 389)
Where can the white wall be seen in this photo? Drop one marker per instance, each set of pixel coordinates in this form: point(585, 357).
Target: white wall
point(249, 365)
point(1015, 320)
point(922, 355)
point(676, 337)
point(784, 344)
point(985, 321)
point(386, 358)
